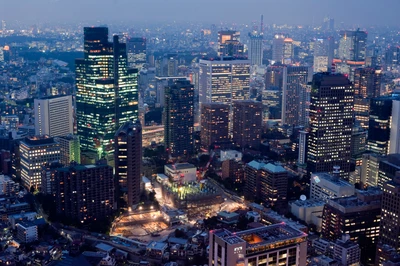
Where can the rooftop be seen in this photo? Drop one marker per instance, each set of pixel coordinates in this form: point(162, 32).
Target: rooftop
point(157, 245)
point(180, 166)
point(317, 177)
point(269, 167)
point(309, 203)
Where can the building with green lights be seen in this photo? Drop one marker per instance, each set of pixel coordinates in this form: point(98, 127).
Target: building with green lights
point(106, 92)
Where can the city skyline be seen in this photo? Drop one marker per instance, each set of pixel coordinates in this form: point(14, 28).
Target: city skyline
point(275, 12)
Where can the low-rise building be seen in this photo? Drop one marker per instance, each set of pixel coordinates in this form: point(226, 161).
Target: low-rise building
point(184, 172)
point(27, 232)
point(156, 249)
point(309, 211)
point(228, 217)
point(325, 186)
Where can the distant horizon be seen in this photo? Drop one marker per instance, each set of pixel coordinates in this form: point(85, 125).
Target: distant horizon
point(362, 13)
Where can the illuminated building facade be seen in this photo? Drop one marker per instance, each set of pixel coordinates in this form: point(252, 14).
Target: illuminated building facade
point(34, 153)
point(88, 203)
point(352, 45)
point(128, 161)
point(179, 118)
point(136, 52)
point(380, 119)
point(367, 83)
point(295, 95)
point(70, 149)
point(358, 216)
point(277, 244)
point(54, 116)
point(390, 217)
point(229, 44)
point(255, 48)
point(106, 95)
point(277, 48)
point(394, 141)
point(331, 124)
point(214, 124)
point(323, 54)
point(247, 123)
point(224, 81)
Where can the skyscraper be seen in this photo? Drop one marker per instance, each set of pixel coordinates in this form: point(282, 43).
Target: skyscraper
point(288, 51)
point(277, 48)
point(214, 124)
point(255, 48)
point(179, 118)
point(136, 52)
point(295, 95)
point(128, 161)
point(229, 44)
point(34, 153)
point(323, 54)
point(54, 116)
point(331, 123)
point(352, 45)
point(367, 82)
point(389, 232)
point(247, 123)
point(394, 146)
point(69, 149)
point(106, 95)
point(379, 129)
point(224, 81)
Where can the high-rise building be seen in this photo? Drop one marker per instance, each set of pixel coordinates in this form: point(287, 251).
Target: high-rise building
point(394, 146)
point(331, 123)
point(392, 57)
point(277, 244)
point(136, 52)
point(255, 48)
point(380, 123)
point(3, 28)
point(278, 48)
point(247, 123)
point(214, 124)
point(358, 216)
point(295, 95)
point(361, 111)
point(128, 161)
point(288, 51)
point(323, 54)
point(229, 44)
point(167, 65)
point(358, 144)
point(352, 45)
point(93, 201)
point(389, 232)
point(161, 84)
point(54, 116)
point(370, 169)
point(179, 118)
point(388, 167)
point(367, 83)
point(107, 94)
point(267, 183)
point(224, 80)
point(34, 153)
point(70, 149)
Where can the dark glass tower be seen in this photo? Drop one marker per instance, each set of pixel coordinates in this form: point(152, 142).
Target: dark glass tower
point(106, 95)
point(179, 118)
point(331, 123)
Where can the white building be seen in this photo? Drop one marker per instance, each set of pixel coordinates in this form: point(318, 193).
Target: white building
point(325, 186)
point(395, 128)
point(309, 211)
point(345, 251)
point(7, 185)
point(184, 172)
point(230, 155)
point(27, 232)
point(54, 116)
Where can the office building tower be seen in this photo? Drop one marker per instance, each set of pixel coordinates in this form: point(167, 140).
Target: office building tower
point(70, 149)
point(107, 94)
point(358, 144)
point(179, 118)
point(247, 123)
point(380, 123)
point(388, 166)
point(325, 186)
point(35, 152)
point(295, 95)
point(328, 24)
point(128, 161)
point(352, 45)
point(272, 101)
point(224, 81)
point(161, 84)
point(323, 54)
point(361, 111)
point(288, 51)
point(267, 183)
point(278, 48)
point(136, 52)
point(392, 57)
point(358, 216)
point(274, 76)
point(214, 124)
point(367, 83)
point(394, 146)
point(302, 158)
point(3, 28)
point(389, 231)
point(255, 48)
point(229, 44)
point(47, 175)
point(54, 116)
point(277, 244)
point(370, 169)
point(331, 123)
point(167, 65)
point(93, 201)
